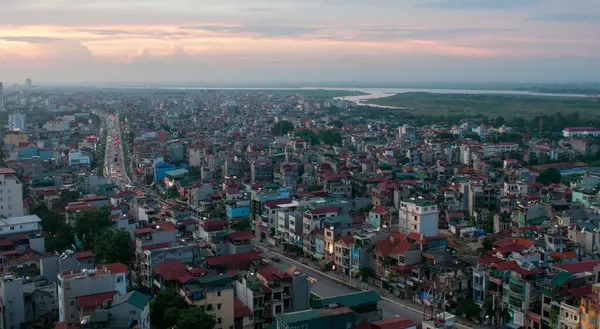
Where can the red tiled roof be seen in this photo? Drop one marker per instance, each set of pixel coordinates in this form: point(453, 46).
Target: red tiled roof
point(563, 255)
point(84, 255)
point(402, 247)
point(113, 268)
point(173, 270)
point(393, 323)
point(578, 267)
point(95, 300)
point(240, 310)
point(143, 230)
point(63, 325)
point(188, 222)
point(346, 239)
point(232, 259)
point(271, 273)
point(379, 210)
point(10, 253)
point(385, 247)
point(6, 242)
point(240, 236)
point(276, 202)
point(156, 246)
point(215, 225)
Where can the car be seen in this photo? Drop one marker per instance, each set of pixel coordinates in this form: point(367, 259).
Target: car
point(258, 250)
point(276, 259)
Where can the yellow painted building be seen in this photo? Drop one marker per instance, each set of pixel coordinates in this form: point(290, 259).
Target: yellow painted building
point(15, 138)
point(588, 309)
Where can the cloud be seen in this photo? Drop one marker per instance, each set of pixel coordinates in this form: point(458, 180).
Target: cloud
point(478, 4)
point(122, 32)
point(31, 39)
point(267, 31)
point(568, 18)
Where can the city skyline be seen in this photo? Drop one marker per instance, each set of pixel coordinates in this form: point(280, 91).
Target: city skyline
point(319, 41)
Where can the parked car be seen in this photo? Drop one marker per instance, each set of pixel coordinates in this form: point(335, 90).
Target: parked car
point(258, 250)
point(276, 259)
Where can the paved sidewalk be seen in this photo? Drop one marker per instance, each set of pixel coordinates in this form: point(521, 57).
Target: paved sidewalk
point(357, 284)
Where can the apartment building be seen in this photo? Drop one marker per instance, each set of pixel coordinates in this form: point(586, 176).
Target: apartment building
point(17, 122)
point(11, 194)
point(313, 220)
point(81, 291)
point(199, 288)
point(270, 291)
point(419, 216)
point(154, 255)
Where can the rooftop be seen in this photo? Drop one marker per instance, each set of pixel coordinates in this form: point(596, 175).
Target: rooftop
point(351, 300)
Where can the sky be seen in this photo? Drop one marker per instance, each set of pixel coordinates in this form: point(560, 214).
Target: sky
point(241, 42)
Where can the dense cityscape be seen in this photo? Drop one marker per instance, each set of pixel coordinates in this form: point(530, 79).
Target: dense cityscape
point(197, 208)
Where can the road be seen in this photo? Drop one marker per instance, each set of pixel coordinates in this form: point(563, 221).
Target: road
point(115, 169)
point(326, 287)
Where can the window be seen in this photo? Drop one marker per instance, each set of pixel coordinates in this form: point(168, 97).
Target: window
point(132, 313)
point(219, 320)
point(592, 320)
point(218, 306)
point(12, 228)
point(72, 301)
point(218, 294)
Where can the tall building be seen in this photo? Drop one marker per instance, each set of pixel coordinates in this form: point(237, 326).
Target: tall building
point(81, 290)
point(11, 194)
point(1, 97)
point(28, 82)
point(17, 122)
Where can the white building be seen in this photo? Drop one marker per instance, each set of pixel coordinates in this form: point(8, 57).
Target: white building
point(581, 131)
point(60, 125)
point(81, 290)
point(11, 194)
point(490, 149)
point(419, 216)
point(17, 122)
point(77, 158)
point(19, 225)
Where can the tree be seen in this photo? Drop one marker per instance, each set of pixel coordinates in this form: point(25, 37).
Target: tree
point(308, 135)
point(89, 224)
point(195, 318)
point(51, 221)
point(473, 136)
point(445, 135)
point(499, 121)
point(366, 273)
point(164, 309)
point(336, 123)
point(330, 137)
point(468, 308)
point(241, 225)
point(281, 128)
point(61, 240)
point(488, 224)
point(113, 246)
point(550, 176)
point(172, 192)
point(314, 188)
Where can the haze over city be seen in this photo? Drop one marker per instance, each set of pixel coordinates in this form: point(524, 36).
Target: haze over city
point(312, 41)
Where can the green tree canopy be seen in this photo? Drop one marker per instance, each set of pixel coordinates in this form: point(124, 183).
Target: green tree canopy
point(330, 137)
point(113, 246)
point(336, 123)
point(446, 135)
point(366, 273)
point(89, 224)
point(51, 221)
point(468, 308)
point(164, 309)
point(550, 176)
point(241, 225)
point(282, 128)
point(308, 135)
point(195, 318)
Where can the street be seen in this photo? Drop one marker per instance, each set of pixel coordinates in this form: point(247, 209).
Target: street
point(327, 287)
point(114, 162)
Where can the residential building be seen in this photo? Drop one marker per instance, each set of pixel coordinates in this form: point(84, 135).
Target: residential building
point(271, 291)
point(81, 291)
point(20, 225)
point(334, 318)
point(58, 126)
point(580, 131)
point(313, 220)
point(2, 109)
point(11, 194)
point(419, 216)
point(17, 122)
point(78, 158)
point(15, 138)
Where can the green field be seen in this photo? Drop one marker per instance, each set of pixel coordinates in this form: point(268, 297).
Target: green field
point(489, 104)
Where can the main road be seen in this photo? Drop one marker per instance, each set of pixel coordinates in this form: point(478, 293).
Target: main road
point(328, 287)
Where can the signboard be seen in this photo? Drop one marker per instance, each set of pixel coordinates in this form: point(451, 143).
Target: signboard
point(355, 253)
point(495, 280)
